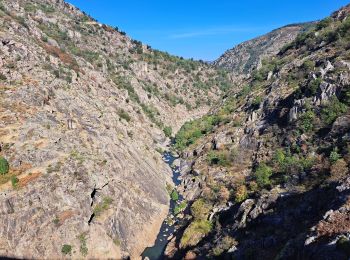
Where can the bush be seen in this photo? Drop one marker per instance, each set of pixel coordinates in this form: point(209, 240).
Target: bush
point(195, 232)
point(241, 194)
point(262, 175)
point(343, 244)
point(306, 121)
point(102, 206)
point(339, 169)
point(167, 131)
point(4, 166)
point(124, 115)
point(191, 131)
point(66, 249)
point(179, 208)
point(334, 156)
point(332, 110)
point(218, 158)
point(174, 195)
point(313, 86)
point(14, 181)
point(323, 23)
point(200, 209)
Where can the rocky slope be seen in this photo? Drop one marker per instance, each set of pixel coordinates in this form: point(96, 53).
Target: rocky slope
point(83, 111)
point(249, 55)
point(266, 172)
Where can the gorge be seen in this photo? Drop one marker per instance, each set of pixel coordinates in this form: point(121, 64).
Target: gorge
point(110, 149)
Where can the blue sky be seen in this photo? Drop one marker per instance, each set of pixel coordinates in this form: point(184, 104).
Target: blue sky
point(203, 29)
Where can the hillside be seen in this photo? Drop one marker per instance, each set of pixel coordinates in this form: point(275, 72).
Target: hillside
point(249, 55)
point(266, 172)
point(85, 112)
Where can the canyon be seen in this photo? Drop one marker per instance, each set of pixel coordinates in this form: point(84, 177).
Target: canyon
point(90, 118)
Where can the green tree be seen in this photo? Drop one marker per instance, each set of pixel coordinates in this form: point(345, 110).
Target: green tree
point(4, 166)
point(263, 174)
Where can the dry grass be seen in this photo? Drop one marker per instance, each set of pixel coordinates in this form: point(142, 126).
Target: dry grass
point(29, 178)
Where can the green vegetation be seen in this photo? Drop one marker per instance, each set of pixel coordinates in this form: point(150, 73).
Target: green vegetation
point(14, 181)
point(4, 166)
point(168, 131)
point(152, 113)
point(200, 209)
point(124, 115)
point(313, 86)
point(218, 158)
point(180, 207)
point(102, 206)
point(306, 121)
point(174, 195)
point(333, 109)
point(124, 83)
point(334, 156)
point(343, 244)
point(66, 249)
point(191, 131)
point(287, 163)
point(83, 247)
point(195, 231)
point(262, 175)
point(241, 194)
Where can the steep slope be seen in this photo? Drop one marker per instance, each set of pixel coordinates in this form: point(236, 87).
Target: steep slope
point(83, 111)
point(266, 172)
point(247, 56)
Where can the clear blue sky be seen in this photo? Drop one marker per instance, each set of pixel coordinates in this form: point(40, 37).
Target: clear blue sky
point(203, 29)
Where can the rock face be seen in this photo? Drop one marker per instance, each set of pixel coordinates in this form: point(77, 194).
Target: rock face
point(82, 113)
point(247, 56)
point(270, 178)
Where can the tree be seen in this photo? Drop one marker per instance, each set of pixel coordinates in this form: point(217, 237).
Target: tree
point(4, 166)
point(262, 175)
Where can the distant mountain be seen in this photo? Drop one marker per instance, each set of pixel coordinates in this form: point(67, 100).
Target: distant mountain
point(247, 56)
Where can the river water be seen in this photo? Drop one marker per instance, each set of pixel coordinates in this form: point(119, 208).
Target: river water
point(157, 251)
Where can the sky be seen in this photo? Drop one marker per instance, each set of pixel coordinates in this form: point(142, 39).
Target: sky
point(203, 29)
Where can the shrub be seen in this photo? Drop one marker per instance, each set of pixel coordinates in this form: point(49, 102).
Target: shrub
point(306, 121)
point(333, 109)
point(334, 156)
point(200, 209)
point(4, 166)
point(14, 181)
point(224, 244)
point(313, 86)
point(262, 175)
point(195, 232)
point(241, 193)
point(83, 247)
point(343, 244)
point(124, 115)
point(174, 195)
point(339, 169)
point(323, 23)
point(218, 158)
point(102, 206)
point(66, 249)
point(179, 208)
point(167, 131)
point(308, 66)
point(191, 131)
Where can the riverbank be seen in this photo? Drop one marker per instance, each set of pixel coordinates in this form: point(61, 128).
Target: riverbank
point(168, 227)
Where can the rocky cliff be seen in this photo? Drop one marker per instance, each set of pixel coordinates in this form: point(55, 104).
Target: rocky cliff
point(266, 172)
point(83, 111)
point(249, 55)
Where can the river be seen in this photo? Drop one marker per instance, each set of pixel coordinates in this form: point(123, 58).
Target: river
point(157, 251)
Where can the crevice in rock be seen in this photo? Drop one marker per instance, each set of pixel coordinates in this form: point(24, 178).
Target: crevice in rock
point(91, 218)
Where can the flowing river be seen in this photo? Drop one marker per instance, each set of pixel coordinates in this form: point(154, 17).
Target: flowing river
point(167, 229)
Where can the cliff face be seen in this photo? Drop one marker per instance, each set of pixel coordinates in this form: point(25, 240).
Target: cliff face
point(268, 177)
point(83, 111)
point(247, 56)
